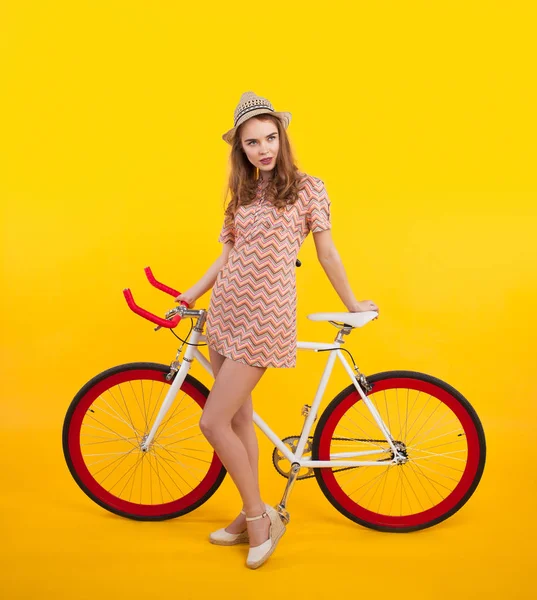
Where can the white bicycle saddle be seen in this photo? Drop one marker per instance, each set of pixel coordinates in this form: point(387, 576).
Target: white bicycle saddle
point(357, 319)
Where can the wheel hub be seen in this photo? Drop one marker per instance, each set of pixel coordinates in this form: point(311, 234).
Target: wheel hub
point(142, 447)
point(402, 456)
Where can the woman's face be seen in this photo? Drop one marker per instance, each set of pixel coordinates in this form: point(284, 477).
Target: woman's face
point(260, 140)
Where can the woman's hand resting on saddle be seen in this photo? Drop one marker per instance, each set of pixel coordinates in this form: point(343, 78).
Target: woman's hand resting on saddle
point(188, 297)
point(364, 306)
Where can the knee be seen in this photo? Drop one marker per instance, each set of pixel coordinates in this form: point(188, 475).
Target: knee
point(206, 426)
point(210, 427)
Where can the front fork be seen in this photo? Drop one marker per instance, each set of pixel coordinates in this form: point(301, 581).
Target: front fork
point(180, 370)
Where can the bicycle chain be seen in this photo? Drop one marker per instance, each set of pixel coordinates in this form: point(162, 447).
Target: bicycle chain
point(333, 470)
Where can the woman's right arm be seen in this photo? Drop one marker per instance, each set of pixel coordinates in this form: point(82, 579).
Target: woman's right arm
point(208, 280)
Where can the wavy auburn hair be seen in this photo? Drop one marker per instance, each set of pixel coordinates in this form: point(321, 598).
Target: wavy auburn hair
point(284, 185)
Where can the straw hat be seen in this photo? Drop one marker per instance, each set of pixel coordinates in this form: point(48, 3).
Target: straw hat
point(251, 105)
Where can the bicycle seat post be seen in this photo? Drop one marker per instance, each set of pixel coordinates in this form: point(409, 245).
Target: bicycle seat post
point(343, 330)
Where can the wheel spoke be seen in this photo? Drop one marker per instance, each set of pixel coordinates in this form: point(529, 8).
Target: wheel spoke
point(454, 431)
point(127, 412)
point(110, 429)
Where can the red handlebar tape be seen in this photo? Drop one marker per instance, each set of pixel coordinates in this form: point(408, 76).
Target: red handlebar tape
point(158, 284)
point(169, 323)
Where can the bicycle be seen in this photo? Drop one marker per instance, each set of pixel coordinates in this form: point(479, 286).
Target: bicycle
point(420, 464)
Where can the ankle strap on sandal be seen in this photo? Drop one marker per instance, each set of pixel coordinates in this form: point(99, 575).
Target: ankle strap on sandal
point(265, 514)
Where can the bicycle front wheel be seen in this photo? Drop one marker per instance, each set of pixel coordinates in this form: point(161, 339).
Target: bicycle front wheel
point(432, 425)
point(103, 431)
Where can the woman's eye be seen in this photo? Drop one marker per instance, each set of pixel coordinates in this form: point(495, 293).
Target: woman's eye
point(272, 137)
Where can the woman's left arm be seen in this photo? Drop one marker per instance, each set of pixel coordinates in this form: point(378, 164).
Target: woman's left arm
point(333, 267)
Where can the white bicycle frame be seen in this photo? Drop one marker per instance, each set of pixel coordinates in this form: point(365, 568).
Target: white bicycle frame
point(192, 353)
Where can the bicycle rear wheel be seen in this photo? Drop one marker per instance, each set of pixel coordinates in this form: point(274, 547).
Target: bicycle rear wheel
point(433, 425)
point(102, 435)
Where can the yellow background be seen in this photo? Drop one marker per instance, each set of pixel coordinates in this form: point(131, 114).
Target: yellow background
point(419, 117)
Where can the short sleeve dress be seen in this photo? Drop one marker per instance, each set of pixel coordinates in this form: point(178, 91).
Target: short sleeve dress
point(252, 311)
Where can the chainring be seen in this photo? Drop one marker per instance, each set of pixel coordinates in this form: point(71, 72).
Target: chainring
point(278, 457)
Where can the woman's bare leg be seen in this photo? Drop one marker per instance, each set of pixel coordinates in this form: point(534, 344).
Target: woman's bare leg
point(243, 426)
point(242, 423)
point(231, 389)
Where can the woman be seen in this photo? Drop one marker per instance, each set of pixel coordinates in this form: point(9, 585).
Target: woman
point(251, 320)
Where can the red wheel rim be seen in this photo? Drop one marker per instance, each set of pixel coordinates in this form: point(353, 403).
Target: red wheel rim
point(420, 518)
point(99, 492)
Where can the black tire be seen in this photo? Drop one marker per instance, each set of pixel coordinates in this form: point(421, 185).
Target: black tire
point(380, 380)
point(159, 371)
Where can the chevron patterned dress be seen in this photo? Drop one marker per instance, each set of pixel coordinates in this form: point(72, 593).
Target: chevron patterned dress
point(252, 311)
